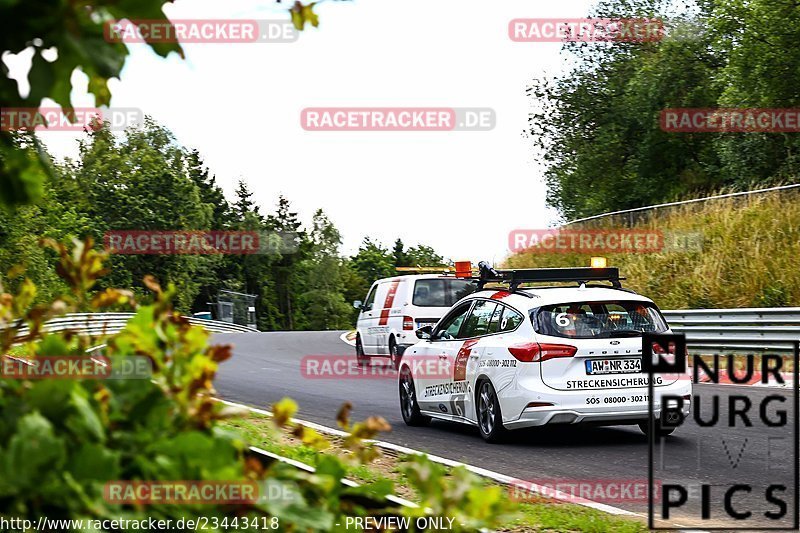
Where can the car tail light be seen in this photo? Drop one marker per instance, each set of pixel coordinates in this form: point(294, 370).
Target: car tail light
point(533, 352)
point(408, 323)
point(657, 349)
point(553, 351)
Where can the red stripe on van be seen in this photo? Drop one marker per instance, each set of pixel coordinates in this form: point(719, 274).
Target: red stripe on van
point(387, 304)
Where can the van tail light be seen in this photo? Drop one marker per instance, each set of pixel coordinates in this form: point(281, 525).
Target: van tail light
point(408, 323)
point(534, 352)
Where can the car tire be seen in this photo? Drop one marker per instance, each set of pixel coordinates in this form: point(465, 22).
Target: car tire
point(395, 355)
point(409, 407)
point(490, 418)
point(361, 358)
point(660, 430)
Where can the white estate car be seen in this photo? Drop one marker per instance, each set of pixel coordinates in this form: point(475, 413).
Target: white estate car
point(396, 307)
point(535, 356)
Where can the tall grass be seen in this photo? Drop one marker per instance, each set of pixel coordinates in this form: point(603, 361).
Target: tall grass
point(750, 254)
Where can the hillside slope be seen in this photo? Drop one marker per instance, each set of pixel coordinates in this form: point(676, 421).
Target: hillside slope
point(750, 255)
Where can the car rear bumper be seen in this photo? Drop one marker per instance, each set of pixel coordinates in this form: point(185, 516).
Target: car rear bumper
point(574, 409)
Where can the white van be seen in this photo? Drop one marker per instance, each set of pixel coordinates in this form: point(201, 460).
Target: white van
point(396, 307)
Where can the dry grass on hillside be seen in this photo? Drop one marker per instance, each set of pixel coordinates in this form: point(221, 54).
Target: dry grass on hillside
point(750, 254)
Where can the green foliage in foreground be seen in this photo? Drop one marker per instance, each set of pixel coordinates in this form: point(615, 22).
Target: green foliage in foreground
point(62, 440)
point(522, 516)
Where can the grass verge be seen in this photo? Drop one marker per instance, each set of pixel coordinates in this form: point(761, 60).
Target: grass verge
point(550, 516)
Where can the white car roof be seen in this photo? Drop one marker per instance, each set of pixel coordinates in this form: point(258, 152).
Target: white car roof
point(558, 295)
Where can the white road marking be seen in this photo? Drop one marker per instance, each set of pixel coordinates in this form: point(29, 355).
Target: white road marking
point(495, 476)
point(345, 340)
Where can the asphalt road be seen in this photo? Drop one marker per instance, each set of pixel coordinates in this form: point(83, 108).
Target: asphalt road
point(266, 367)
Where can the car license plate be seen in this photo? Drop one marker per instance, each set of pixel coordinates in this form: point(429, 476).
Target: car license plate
point(620, 365)
point(422, 324)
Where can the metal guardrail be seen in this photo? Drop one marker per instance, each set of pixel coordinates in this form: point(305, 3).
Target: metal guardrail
point(111, 323)
point(683, 202)
point(759, 329)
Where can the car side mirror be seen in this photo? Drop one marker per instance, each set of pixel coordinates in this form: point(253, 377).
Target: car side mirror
point(358, 304)
point(425, 332)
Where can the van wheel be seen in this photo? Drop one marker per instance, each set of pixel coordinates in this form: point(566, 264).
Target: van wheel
point(660, 430)
point(361, 359)
point(394, 354)
point(409, 407)
point(490, 419)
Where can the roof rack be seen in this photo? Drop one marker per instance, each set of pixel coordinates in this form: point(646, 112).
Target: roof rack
point(515, 277)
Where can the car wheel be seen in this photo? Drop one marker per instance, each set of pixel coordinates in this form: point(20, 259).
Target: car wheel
point(490, 418)
point(361, 359)
point(661, 431)
point(394, 354)
point(409, 407)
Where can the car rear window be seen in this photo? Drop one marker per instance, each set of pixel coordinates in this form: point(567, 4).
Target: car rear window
point(440, 292)
point(598, 320)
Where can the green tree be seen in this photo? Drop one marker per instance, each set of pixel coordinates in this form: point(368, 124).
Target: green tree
point(597, 128)
point(244, 206)
point(253, 272)
point(424, 256)
point(141, 182)
point(372, 261)
point(399, 254)
point(294, 249)
point(322, 304)
point(759, 40)
point(214, 272)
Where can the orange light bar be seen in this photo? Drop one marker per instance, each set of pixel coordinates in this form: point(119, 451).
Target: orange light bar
point(424, 269)
point(463, 269)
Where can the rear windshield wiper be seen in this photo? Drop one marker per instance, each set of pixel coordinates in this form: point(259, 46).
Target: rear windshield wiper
point(621, 333)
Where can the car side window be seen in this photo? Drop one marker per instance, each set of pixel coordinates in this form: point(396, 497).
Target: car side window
point(477, 323)
point(451, 324)
point(494, 322)
point(510, 319)
point(370, 298)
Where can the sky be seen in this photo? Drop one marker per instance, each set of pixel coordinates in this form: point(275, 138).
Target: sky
point(460, 192)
